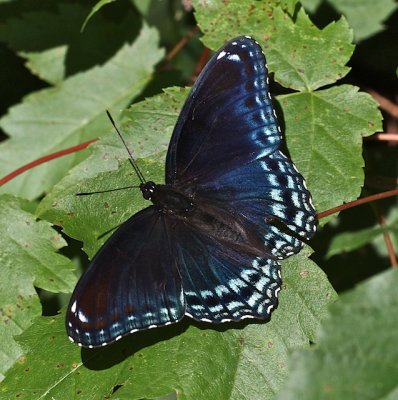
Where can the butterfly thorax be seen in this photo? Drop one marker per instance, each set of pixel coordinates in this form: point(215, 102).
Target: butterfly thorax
point(167, 199)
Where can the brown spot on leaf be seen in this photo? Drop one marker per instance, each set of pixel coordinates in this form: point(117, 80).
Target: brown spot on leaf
point(327, 388)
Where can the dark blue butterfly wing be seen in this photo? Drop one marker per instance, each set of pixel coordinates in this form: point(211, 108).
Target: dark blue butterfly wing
point(224, 284)
point(228, 118)
point(132, 283)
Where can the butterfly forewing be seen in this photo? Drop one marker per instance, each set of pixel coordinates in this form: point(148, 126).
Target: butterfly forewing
point(228, 118)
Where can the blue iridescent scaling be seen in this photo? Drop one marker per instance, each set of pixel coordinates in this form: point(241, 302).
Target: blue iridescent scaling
point(232, 206)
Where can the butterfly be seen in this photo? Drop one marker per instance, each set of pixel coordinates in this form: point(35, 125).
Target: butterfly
point(232, 206)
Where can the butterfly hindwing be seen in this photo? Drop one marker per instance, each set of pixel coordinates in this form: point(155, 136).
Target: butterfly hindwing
point(131, 284)
point(222, 284)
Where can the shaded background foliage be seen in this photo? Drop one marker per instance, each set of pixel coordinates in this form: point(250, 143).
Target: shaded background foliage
point(56, 82)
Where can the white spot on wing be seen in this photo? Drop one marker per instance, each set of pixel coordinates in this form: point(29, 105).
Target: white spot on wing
point(221, 55)
point(217, 308)
point(206, 293)
point(82, 317)
point(233, 57)
point(247, 316)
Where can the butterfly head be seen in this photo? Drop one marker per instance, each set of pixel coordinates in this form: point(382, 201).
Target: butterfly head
point(147, 189)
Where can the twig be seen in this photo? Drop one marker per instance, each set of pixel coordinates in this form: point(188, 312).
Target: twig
point(177, 48)
point(387, 238)
point(388, 137)
point(385, 104)
point(364, 200)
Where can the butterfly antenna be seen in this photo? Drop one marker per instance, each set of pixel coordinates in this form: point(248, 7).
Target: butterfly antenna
point(107, 190)
point(131, 159)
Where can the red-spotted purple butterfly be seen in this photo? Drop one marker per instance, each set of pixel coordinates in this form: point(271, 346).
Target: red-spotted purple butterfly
point(232, 206)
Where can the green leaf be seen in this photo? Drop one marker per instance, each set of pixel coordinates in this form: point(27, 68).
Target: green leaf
point(97, 6)
point(51, 42)
point(349, 241)
point(57, 118)
point(324, 131)
point(246, 359)
point(28, 256)
point(302, 56)
point(366, 17)
point(356, 356)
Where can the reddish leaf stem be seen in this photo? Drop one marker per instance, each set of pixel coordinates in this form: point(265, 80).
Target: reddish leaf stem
point(364, 200)
point(385, 104)
point(44, 159)
point(388, 137)
point(387, 239)
point(178, 47)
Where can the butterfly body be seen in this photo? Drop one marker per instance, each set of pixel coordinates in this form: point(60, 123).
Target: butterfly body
point(232, 205)
point(201, 215)
point(167, 199)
